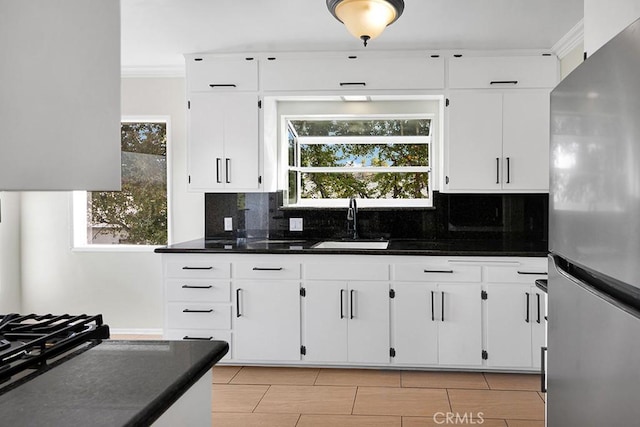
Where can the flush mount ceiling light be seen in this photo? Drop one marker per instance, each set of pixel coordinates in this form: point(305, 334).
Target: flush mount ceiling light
point(366, 19)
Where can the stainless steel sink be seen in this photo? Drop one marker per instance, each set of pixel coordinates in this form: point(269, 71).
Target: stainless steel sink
point(349, 244)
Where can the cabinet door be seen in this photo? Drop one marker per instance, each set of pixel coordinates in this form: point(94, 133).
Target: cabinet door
point(208, 74)
point(241, 141)
point(415, 326)
point(459, 328)
point(266, 320)
point(223, 141)
point(325, 321)
point(368, 322)
point(508, 327)
point(525, 144)
point(475, 142)
point(206, 142)
point(538, 324)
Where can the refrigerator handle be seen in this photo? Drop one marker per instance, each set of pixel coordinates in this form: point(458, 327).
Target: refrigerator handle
point(527, 318)
point(543, 369)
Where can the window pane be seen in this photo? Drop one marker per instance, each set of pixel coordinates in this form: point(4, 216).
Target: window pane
point(410, 185)
point(293, 187)
point(291, 139)
point(381, 127)
point(368, 155)
point(138, 213)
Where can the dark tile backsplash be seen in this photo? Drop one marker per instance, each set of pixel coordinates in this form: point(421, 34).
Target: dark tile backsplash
point(454, 216)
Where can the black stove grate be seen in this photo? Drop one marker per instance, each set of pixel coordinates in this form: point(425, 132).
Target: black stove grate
point(30, 341)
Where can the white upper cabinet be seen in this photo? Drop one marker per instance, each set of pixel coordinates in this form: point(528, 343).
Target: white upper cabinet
point(223, 142)
point(347, 73)
point(482, 72)
point(209, 74)
point(498, 141)
point(60, 95)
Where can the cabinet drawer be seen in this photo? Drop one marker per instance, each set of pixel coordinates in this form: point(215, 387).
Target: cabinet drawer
point(221, 74)
point(198, 290)
point(437, 272)
point(198, 316)
point(346, 271)
point(526, 273)
point(266, 270)
point(200, 334)
point(197, 268)
point(504, 72)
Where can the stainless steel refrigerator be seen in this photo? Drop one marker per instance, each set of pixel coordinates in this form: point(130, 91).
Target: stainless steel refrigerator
point(593, 359)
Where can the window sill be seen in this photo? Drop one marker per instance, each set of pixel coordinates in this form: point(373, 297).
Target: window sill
point(116, 248)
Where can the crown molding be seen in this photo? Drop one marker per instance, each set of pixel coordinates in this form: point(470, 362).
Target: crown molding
point(151, 72)
point(569, 41)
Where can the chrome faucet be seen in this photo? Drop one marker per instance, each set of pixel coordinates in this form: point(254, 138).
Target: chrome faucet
point(352, 218)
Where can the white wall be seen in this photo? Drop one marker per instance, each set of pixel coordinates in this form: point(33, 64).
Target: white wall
point(126, 287)
point(10, 253)
point(604, 19)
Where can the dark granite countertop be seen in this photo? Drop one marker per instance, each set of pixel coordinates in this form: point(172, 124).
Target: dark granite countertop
point(115, 383)
point(396, 247)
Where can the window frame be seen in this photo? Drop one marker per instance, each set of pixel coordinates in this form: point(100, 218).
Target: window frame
point(362, 202)
point(79, 203)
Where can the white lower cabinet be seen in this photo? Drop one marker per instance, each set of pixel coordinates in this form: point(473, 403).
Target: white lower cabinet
point(515, 316)
point(405, 311)
point(346, 322)
point(266, 322)
point(437, 324)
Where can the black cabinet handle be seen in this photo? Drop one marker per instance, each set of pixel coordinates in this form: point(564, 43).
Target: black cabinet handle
point(538, 298)
point(238, 302)
point(342, 303)
point(527, 318)
point(504, 82)
point(544, 273)
point(433, 313)
point(188, 310)
point(353, 84)
point(497, 170)
point(438, 271)
point(442, 293)
point(222, 85)
point(187, 337)
point(267, 269)
point(351, 303)
point(543, 370)
point(227, 171)
point(186, 267)
point(218, 166)
point(196, 287)
point(508, 170)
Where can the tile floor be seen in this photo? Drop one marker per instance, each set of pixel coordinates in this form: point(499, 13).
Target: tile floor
point(319, 397)
point(315, 397)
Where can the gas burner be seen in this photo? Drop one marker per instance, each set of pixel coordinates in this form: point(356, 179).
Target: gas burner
point(29, 343)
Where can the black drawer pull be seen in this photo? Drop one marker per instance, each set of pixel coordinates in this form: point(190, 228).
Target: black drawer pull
point(238, 314)
point(527, 318)
point(222, 85)
point(187, 337)
point(504, 82)
point(188, 310)
point(533, 272)
point(497, 170)
point(197, 268)
point(438, 271)
point(342, 291)
point(538, 298)
point(433, 316)
point(351, 292)
point(442, 294)
point(196, 287)
point(268, 268)
point(353, 84)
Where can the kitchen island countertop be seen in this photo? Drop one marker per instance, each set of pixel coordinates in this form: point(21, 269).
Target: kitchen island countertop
point(516, 248)
point(115, 383)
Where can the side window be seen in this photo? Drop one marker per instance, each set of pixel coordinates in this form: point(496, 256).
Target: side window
point(136, 215)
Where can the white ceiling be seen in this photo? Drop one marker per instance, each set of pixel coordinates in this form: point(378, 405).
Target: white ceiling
point(156, 33)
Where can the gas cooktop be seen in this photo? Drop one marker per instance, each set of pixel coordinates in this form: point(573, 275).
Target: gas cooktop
point(31, 344)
